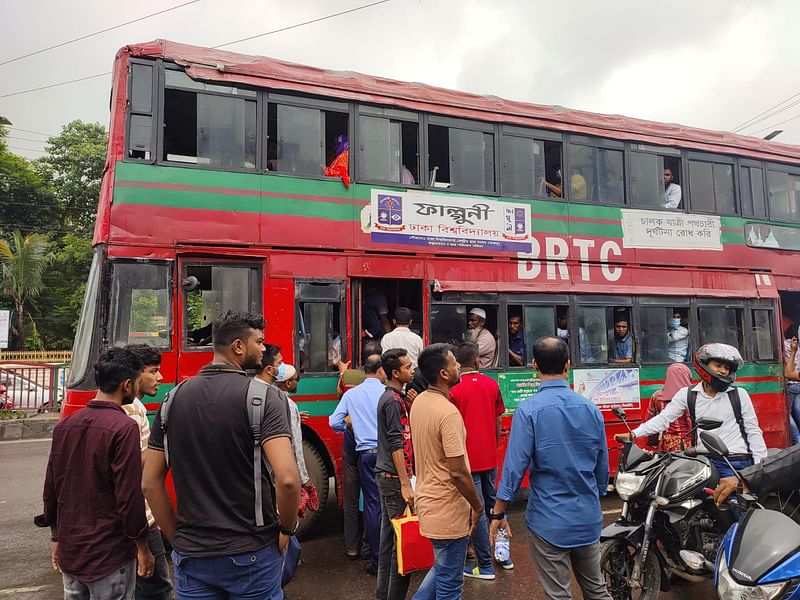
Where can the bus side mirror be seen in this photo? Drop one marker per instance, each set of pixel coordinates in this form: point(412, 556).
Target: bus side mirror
point(190, 283)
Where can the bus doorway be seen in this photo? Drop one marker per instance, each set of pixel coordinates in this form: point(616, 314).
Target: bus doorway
point(790, 313)
point(374, 304)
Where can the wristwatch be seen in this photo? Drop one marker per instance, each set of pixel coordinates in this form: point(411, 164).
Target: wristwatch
point(497, 516)
point(290, 532)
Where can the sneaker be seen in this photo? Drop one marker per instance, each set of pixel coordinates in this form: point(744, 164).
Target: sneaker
point(506, 564)
point(477, 572)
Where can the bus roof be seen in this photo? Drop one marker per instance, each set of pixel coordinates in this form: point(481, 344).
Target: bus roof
point(220, 65)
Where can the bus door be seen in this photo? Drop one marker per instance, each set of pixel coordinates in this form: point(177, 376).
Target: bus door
point(374, 304)
point(208, 288)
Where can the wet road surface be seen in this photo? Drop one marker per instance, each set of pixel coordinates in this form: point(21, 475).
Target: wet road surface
point(324, 573)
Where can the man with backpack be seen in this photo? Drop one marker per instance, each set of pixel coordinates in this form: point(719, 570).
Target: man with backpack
point(715, 397)
point(234, 518)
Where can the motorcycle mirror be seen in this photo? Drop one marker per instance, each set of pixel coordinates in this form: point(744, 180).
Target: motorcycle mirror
point(709, 424)
point(714, 444)
point(619, 413)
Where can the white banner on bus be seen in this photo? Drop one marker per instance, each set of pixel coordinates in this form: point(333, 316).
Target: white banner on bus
point(670, 230)
point(608, 388)
point(5, 317)
point(449, 221)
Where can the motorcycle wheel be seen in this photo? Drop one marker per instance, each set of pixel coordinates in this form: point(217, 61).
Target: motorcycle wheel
point(788, 503)
point(617, 559)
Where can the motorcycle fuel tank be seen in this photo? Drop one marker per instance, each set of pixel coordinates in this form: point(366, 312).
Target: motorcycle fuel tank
point(684, 476)
point(764, 539)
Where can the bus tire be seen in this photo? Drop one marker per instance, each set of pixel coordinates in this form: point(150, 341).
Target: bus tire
point(318, 473)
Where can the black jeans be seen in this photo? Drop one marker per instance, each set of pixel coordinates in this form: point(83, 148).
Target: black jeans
point(391, 585)
point(157, 587)
point(353, 531)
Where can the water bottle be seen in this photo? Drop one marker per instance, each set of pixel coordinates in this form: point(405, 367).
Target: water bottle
point(501, 549)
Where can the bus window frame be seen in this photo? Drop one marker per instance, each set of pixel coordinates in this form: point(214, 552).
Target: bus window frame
point(341, 298)
point(255, 285)
point(607, 301)
point(792, 171)
point(161, 158)
point(668, 151)
point(538, 135)
point(475, 298)
point(390, 114)
point(749, 324)
point(322, 105)
point(742, 163)
point(154, 114)
point(467, 125)
point(712, 159)
point(665, 302)
point(742, 305)
point(529, 299)
point(595, 143)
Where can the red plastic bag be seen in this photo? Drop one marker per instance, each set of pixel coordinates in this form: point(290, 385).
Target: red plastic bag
point(414, 551)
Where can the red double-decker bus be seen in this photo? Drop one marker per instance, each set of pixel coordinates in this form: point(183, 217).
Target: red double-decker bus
point(227, 187)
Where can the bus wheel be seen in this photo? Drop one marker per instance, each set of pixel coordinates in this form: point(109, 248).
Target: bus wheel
point(318, 472)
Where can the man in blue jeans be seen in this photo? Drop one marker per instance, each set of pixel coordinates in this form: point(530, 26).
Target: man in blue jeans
point(361, 405)
point(446, 501)
point(227, 543)
point(480, 403)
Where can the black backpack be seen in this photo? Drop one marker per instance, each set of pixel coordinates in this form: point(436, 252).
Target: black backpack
point(736, 404)
point(257, 395)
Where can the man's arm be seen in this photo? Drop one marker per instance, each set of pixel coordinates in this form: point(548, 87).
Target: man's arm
point(280, 456)
point(499, 409)
point(788, 368)
point(336, 420)
point(394, 436)
point(297, 440)
point(155, 490)
point(516, 359)
point(754, 435)
point(601, 473)
point(673, 196)
point(662, 420)
point(777, 473)
point(676, 335)
point(462, 479)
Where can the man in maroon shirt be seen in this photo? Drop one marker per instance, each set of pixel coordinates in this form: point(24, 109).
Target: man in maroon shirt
point(93, 500)
point(480, 403)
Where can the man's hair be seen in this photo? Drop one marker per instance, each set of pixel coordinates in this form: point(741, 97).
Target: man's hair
point(114, 366)
point(432, 360)
point(620, 319)
point(234, 325)
point(371, 347)
point(402, 315)
point(390, 360)
point(467, 353)
point(372, 364)
point(551, 355)
point(150, 357)
point(268, 358)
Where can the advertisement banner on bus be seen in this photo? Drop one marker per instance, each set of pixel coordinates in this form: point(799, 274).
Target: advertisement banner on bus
point(670, 231)
point(424, 219)
point(609, 388)
point(516, 386)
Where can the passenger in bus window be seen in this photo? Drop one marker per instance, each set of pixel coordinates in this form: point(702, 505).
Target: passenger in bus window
point(622, 348)
point(562, 325)
point(402, 336)
point(578, 185)
point(340, 165)
point(477, 332)
point(678, 336)
point(517, 353)
point(554, 190)
point(406, 176)
point(672, 191)
point(334, 348)
point(374, 314)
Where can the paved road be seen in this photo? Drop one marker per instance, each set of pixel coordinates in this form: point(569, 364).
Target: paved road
point(325, 572)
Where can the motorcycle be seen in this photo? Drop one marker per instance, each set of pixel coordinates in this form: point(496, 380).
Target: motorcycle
point(669, 524)
point(759, 557)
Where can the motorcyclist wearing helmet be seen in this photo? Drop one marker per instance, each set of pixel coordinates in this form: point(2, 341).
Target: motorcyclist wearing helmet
point(715, 395)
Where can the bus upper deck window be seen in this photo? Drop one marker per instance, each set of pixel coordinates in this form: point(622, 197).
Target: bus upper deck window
point(461, 158)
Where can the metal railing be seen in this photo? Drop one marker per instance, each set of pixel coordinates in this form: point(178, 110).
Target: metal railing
point(47, 356)
point(32, 386)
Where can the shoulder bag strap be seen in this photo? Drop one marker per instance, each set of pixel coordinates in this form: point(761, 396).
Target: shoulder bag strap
point(736, 404)
point(256, 396)
point(691, 402)
point(163, 412)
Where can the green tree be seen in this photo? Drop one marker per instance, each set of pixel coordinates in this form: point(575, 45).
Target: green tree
point(74, 167)
point(23, 261)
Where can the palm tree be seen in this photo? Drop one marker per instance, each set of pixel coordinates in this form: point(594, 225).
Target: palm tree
point(23, 262)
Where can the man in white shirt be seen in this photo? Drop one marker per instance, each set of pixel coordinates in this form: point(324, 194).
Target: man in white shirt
point(672, 191)
point(477, 332)
point(158, 586)
point(716, 364)
point(678, 336)
point(402, 336)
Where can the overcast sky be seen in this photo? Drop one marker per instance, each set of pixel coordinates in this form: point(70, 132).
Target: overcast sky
point(711, 64)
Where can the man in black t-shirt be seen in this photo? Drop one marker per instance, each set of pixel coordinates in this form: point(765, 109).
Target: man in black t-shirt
point(214, 534)
point(394, 467)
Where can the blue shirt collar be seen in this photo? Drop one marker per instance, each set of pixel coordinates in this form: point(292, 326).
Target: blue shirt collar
point(554, 383)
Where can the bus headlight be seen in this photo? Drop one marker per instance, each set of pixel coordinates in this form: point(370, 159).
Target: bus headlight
point(628, 484)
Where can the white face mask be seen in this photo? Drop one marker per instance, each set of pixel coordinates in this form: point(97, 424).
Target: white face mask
point(281, 371)
point(676, 323)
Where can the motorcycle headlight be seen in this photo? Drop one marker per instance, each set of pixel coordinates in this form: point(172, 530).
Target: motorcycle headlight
point(729, 589)
point(628, 484)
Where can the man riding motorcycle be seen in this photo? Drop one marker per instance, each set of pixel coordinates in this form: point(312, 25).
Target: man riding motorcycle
point(777, 473)
point(715, 397)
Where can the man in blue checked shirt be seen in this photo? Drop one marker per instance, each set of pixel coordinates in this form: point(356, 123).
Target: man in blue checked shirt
point(361, 405)
point(560, 435)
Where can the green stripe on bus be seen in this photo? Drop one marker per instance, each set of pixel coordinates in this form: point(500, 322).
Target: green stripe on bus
point(323, 408)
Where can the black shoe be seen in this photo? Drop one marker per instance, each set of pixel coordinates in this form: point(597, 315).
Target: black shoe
point(371, 570)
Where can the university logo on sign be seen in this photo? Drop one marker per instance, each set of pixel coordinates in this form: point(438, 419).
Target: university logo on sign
point(390, 211)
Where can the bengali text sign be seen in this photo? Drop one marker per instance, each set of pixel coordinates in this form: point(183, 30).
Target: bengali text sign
point(670, 231)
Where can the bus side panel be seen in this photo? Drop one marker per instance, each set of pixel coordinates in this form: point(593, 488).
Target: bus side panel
point(280, 317)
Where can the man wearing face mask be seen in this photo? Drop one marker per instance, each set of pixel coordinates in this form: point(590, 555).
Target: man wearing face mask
point(715, 397)
point(95, 454)
point(678, 337)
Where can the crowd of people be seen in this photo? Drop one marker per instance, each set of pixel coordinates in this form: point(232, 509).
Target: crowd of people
point(421, 430)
